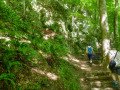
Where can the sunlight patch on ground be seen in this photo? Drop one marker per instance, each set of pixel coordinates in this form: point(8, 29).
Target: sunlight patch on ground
point(47, 34)
point(96, 89)
point(25, 41)
point(85, 67)
point(97, 83)
point(71, 58)
point(80, 64)
point(77, 65)
point(42, 53)
point(102, 89)
point(51, 76)
point(34, 60)
point(82, 79)
point(6, 38)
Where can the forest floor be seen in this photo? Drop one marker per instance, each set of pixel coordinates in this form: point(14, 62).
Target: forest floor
point(91, 76)
point(94, 76)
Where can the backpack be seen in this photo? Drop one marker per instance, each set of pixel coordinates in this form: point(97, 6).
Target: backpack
point(112, 64)
point(89, 50)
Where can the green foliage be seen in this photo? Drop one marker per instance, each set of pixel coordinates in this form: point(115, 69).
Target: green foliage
point(38, 84)
point(58, 7)
point(20, 22)
point(27, 51)
point(9, 16)
point(6, 76)
point(67, 71)
point(33, 86)
point(72, 2)
point(116, 43)
point(56, 46)
point(110, 10)
point(8, 79)
point(55, 27)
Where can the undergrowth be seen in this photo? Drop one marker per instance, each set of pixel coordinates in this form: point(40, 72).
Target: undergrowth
point(21, 41)
point(69, 76)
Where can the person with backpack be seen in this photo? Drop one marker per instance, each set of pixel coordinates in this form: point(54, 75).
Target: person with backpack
point(112, 65)
point(89, 51)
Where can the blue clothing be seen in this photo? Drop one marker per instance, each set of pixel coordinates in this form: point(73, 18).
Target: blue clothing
point(89, 50)
point(89, 56)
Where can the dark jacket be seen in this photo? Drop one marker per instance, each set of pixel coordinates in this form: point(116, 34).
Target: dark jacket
point(112, 65)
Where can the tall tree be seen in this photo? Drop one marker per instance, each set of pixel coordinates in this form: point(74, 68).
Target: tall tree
point(116, 19)
point(105, 29)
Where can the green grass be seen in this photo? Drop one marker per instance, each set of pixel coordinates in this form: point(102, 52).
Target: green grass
point(69, 76)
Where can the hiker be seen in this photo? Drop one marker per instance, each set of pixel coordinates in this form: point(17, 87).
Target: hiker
point(112, 65)
point(89, 51)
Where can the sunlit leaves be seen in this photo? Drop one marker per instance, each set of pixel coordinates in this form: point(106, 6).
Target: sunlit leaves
point(55, 47)
point(73, 2)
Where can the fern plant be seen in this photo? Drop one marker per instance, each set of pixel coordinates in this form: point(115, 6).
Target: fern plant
point(7, 79)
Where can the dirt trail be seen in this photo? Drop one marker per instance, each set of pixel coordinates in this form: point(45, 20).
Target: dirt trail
point(95, 76)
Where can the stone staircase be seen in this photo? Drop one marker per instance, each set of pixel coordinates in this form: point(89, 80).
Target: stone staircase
point(97, 77)
point(100, 79)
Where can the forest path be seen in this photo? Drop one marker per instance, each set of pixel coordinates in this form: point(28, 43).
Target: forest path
point(95, 76)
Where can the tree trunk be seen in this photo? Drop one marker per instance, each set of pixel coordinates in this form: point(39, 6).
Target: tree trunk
point(24, 7)
point(105, 30)
point(116, 20)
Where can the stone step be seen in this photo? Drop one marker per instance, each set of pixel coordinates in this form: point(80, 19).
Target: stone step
point(100, 73)
point(107, 88)
point(99, 78)
point(102, 84)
